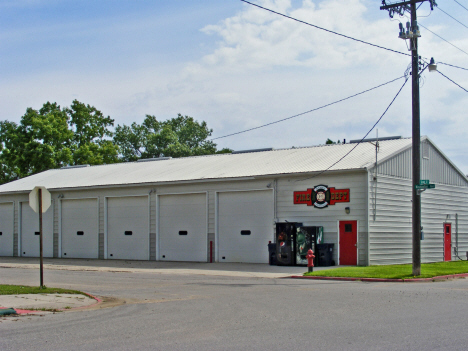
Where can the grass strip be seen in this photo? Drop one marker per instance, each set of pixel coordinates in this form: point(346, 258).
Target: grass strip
point(398, 271)
point(23, 289)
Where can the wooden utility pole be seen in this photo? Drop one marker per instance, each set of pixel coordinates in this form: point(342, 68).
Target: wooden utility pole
point(412, 35)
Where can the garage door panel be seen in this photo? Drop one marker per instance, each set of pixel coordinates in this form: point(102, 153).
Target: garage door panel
point(182, 227)
point(6, 229)
point(80, 237)
point(249, 213)
point(128, 228)
point(29, 228)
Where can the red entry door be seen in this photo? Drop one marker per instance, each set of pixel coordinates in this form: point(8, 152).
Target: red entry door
point(348, 243)
point(447, 241)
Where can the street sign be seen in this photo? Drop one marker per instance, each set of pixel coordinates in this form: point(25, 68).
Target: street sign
point(424, 182)
point(424, 186)
point(34, 199)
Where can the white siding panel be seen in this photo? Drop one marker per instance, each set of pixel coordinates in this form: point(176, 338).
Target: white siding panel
point(6, 229)
point(434, 166)
point(391, 232)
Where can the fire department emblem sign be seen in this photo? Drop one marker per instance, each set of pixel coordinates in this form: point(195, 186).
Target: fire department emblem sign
point(321, 196)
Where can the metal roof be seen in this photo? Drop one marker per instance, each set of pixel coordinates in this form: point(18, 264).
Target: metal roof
point(213, 167)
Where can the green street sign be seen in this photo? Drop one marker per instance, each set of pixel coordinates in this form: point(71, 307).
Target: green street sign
point(424, 182)
point(424, 186)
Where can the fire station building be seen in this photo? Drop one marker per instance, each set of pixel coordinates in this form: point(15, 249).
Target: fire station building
point(224, 208)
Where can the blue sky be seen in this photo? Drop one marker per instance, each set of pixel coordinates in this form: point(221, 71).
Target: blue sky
point(235, 66)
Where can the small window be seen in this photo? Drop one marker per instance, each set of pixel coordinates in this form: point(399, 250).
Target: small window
point(425, 150)
point(79, 233)
point(447, 229)
point(183, 232)
point(1, 233)
point(245, 232)
point(37, 233)
point(128, 232)
point(348, 228)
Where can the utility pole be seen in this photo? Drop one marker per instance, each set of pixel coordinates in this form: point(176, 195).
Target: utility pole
point(412, 34)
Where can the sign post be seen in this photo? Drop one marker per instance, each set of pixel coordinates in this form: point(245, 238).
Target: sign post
point(39, 201)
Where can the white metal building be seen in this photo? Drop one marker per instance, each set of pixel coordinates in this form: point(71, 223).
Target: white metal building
point(225, 206)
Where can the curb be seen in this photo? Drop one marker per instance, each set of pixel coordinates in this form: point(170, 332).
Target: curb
point(98, 301)
point(382, 280)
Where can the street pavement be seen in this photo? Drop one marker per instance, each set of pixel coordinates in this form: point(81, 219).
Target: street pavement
point(146, 310)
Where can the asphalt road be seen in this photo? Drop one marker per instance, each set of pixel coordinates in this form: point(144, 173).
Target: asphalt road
point(200, 312)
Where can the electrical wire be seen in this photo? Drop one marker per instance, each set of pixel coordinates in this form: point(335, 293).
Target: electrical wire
point(306, 112)
point(364, 137)
point(466, 53)
point(452, 81)
point(452, 17)
point(461, 5)
point(324, 29)
point(448, 64)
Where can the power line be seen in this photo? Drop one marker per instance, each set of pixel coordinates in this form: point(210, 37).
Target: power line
point(452, 81)
point(306, 112)
point(448, 64)
point(452, 17)
point(324, 29)
point(461, 5)
point(466, 53)
point(370, 130)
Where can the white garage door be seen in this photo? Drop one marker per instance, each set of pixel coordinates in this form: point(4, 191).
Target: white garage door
point(182, 228)
point(80, 237)
point(6, 229)
point(245, 226)
point(128, 228)
point(30, 232)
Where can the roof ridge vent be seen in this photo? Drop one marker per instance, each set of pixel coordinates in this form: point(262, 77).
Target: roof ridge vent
point(154, 159)
point(375, 139)
point(77, 166)
point(252, 150)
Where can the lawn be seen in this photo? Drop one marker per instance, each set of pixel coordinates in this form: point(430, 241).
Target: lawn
point(401, 271)
point(22, 289)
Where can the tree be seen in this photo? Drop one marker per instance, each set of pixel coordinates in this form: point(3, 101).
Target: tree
point(178, 137)
point(90, 130)
point(53, 137)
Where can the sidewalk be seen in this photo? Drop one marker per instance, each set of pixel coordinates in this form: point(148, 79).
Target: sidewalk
point(158, 267)
point(40, 303)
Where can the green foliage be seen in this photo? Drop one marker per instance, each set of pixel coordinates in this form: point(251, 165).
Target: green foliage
point(53, 137)
point(178, 137)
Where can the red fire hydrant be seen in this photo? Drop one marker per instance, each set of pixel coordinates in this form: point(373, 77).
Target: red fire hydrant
point(310, 260)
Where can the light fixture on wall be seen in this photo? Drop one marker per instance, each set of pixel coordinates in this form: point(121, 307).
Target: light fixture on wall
point(447, 217)
point(347, 210)
point(60, 196)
